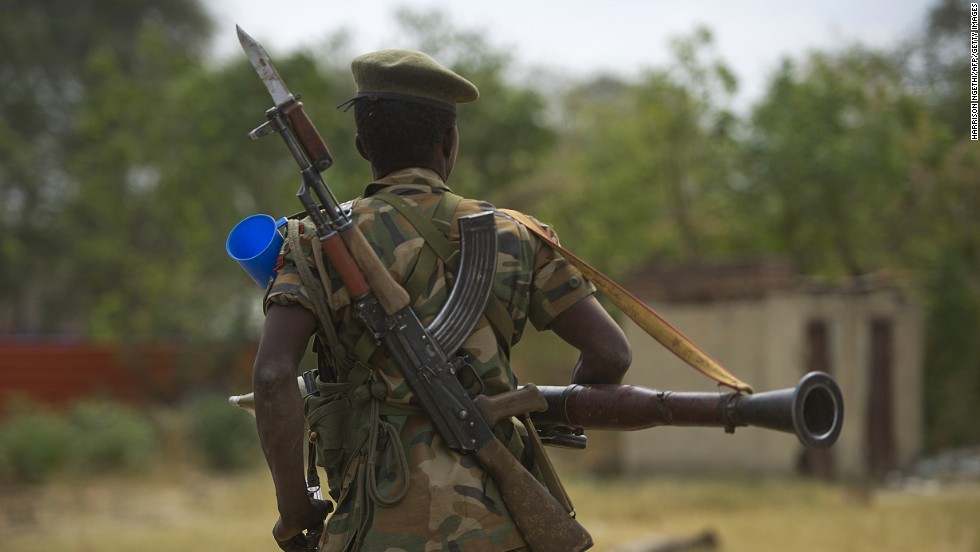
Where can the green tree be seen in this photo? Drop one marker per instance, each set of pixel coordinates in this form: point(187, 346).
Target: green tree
point(54, 54)
point(206, 175)
point(644, 168)
point(129, 163)
point(937, 65)
point(832, 149)
point(145, 165)
point(938, 61)
point(855, 164)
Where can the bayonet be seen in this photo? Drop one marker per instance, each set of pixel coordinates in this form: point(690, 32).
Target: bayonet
point(287, 105)
point(263, 66)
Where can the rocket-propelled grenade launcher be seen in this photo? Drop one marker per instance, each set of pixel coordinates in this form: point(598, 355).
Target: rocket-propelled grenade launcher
point(813, 410)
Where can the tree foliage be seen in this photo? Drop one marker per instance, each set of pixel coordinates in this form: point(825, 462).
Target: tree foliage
point(951, 259)
point(145, 165)
point(831, 157)
point(645, 167)
point(59, 59)
point(856, 165)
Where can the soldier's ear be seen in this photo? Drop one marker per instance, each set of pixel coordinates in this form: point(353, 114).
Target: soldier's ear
point(450, 147)
point(450, 142)
point(360, 148)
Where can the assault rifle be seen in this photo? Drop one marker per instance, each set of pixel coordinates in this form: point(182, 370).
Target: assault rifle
point(426, 356)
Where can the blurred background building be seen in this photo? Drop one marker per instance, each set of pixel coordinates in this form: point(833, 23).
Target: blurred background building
point(769, 326)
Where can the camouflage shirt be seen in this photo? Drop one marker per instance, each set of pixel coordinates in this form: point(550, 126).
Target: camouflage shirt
point(450, 504)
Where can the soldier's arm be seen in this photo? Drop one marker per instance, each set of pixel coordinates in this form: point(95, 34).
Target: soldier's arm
point(604, 350)
point(279, 413)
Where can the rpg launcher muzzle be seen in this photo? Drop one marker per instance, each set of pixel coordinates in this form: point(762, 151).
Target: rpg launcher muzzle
point(813, 410)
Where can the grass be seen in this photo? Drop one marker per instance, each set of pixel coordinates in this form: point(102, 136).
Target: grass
point(781, 515)
point(182, 509)
point(179, 509)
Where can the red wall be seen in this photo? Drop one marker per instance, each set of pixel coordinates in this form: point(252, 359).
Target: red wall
point(57, 373)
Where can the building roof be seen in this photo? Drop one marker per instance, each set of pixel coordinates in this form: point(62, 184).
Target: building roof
point(705, 282)
point(711, 281)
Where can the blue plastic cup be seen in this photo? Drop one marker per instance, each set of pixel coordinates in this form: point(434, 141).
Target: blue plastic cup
point(254, 243)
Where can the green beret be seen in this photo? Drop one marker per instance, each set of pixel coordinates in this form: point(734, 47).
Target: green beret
point(410, 76)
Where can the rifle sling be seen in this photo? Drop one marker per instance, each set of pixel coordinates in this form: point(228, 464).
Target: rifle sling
point(317, 289)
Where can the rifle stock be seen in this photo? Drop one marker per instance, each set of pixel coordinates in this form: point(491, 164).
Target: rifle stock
point(542, 520)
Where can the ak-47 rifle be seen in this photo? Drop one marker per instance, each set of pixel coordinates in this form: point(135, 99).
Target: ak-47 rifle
point(426, 356)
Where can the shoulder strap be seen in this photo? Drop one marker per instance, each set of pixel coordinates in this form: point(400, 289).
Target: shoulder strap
point(317, 291)
point(434, 237)
point(644, 316)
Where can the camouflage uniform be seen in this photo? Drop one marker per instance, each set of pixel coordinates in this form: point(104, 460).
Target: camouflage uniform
point(450, 504)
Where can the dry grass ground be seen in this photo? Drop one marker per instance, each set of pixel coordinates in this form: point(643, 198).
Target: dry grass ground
point(182, 510)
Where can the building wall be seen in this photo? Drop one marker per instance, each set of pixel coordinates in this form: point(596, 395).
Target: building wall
point(910, 400)
point(59, 373)
point(762, 341)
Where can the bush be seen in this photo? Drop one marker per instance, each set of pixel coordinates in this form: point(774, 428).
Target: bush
point(32, 443)
point(224, 438)
point(100, 437)
point(109, 436)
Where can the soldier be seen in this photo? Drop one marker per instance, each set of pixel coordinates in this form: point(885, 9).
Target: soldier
point(396, 485)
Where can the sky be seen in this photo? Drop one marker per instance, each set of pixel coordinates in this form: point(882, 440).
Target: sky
point(577, 38)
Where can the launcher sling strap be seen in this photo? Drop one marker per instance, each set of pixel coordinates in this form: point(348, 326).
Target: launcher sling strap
point(644, 316)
